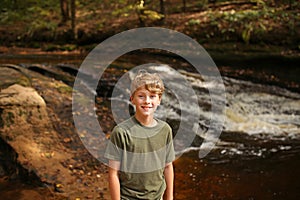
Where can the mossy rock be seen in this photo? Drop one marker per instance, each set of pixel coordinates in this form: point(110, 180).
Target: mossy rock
point(10, 76)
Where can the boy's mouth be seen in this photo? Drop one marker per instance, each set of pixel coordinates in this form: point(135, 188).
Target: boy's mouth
point(146, 107)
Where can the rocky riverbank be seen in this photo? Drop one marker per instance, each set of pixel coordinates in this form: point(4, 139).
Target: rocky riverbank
point(40, 149)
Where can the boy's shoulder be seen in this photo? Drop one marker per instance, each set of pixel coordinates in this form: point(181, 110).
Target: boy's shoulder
point(163, 123)
point(126, 124)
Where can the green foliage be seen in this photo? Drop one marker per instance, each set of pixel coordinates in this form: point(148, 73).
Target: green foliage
point(10, 17)
point(124, 11)
point(66, 47)
point(260, 3)
point(195, 4)
point(246, 22)
point(38, 15)
point(193, 22)
point(246, 33)
point(39, 25)
point(153, 15)
point(201, 3)
point(251, 22)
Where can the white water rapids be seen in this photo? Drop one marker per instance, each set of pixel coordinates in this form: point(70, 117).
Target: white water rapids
point(255, 108)
point(252, 109)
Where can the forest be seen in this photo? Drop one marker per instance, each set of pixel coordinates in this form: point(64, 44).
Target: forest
point(70, 24)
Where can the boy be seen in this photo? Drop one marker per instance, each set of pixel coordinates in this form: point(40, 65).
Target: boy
point(140, 151)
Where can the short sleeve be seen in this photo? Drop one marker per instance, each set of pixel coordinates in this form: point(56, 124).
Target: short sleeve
point(113, 151)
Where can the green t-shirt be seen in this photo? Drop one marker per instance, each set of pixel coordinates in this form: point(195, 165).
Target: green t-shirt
point(143, 153)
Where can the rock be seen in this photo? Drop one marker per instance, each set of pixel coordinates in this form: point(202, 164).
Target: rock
point(27, 129)
point(17, 95)
point(38, 141)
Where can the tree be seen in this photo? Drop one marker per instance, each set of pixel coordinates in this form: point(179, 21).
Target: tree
point(162, 7)
point(73, 19)
point(184, 5)
point(64, 7)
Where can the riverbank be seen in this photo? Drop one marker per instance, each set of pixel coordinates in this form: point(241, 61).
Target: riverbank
point(278, 65)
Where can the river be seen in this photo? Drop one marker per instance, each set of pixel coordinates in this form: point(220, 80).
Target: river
point(256, 156)
point(257, 153)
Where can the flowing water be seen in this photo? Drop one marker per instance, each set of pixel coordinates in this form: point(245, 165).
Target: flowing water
point(257, 154)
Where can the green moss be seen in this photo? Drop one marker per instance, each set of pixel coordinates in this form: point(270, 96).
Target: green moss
point(21, 113)
point(24, 81)
point(65, 89)
point(10, 119)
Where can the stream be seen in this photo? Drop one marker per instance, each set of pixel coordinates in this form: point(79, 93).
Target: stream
point(257, 154)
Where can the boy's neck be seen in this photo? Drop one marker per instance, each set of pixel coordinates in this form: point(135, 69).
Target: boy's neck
point(146, 121)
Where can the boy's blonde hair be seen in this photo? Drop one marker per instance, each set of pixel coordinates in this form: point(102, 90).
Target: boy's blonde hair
point(152, 82)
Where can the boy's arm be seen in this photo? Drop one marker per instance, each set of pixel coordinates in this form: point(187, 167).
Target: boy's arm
point(113, 179)
point(169, 176)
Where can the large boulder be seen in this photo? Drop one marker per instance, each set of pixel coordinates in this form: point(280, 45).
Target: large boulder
point(39, 143)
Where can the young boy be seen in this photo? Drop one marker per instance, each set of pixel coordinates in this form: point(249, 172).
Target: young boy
point(140, 151)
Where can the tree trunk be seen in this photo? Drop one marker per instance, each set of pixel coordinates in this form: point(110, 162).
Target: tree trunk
point(15, 4)
point(64, 7)
point(162, 7)
point(162, 11)
point(184, 5)
point(73, 19)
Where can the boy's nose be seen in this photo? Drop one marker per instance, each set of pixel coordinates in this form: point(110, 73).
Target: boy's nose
point(147, 99)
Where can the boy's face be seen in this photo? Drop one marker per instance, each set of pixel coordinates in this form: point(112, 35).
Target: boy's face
point(146, 102)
